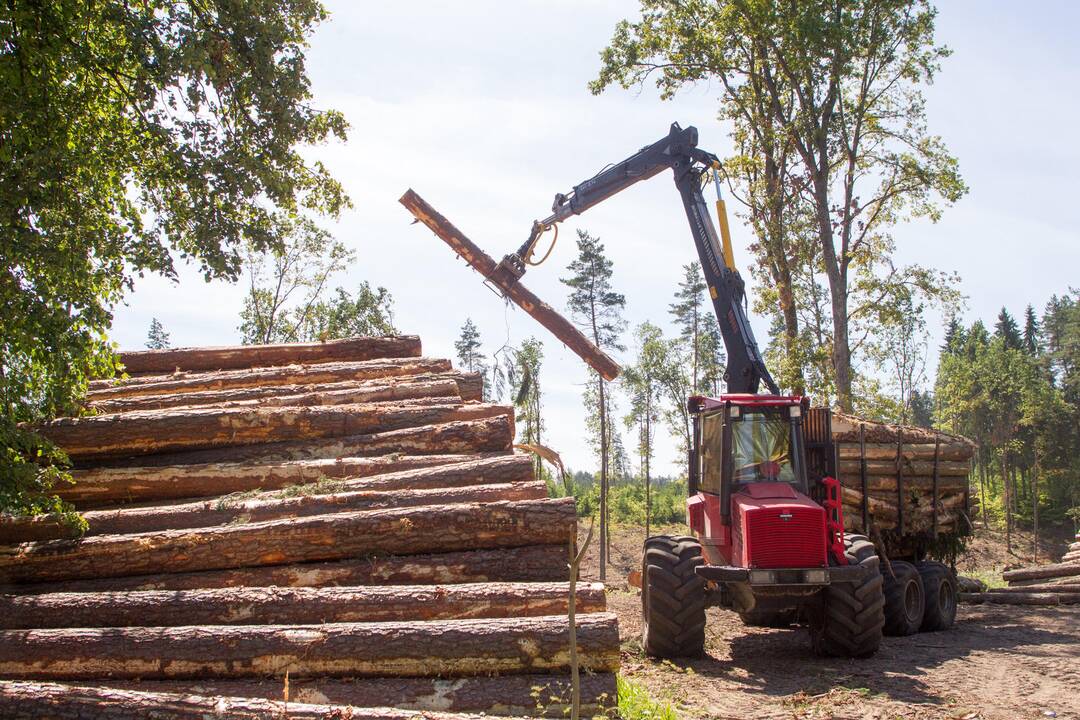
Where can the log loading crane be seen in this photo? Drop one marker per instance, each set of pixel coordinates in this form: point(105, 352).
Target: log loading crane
point(765, 511)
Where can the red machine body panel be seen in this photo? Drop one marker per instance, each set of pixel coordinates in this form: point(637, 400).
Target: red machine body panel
point(776, 527)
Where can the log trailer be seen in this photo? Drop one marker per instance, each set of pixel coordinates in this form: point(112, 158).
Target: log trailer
point(764, 505)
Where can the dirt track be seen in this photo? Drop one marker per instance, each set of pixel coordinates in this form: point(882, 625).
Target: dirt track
point(997, 663)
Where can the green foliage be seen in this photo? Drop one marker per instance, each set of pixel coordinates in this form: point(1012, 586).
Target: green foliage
point(157, 338)
point(626, 499)
point(698, 331)
point(469, 354)
point(636, 704)
point(827, 109)
point(524, 378)
point(132, 133)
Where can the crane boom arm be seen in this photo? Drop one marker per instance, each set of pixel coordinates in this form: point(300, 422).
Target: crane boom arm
point(746, 368)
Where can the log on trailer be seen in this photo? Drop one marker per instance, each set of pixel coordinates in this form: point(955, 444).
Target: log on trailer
point(492, 434)
point(319, 498)
point(364, 370)
point(537, 563)
point(335, 536)
point(407, 649)
point(142, 433)
point(294, 606)
point(543, 313)
point(36, 700)
point(172, 482)
point(526, 695)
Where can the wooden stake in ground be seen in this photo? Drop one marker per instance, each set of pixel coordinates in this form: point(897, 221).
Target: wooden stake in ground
point(543, 313)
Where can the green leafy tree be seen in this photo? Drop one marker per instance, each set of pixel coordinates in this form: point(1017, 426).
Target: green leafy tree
point(368, 312)
point(286, 284)
point(597, 310)
point(840, 83)
point(157, 338)
point(133, 133)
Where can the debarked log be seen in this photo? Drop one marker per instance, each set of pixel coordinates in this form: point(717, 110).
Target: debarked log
point(400, 531)
point(294, 606)
point(527, 695)
point(491, 434)
point(537, 563)
point(258, 377)
point(300, 501)
point(141, 433)
point(36, 700)
point(407, 649)
point(103, 486)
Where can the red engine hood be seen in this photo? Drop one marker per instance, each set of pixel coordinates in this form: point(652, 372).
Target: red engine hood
point(773, 526)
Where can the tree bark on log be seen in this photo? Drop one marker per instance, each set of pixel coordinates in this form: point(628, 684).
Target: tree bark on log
point(34, 700)
point(526, 695)
point(287, 395)
point(538, 563)
point(1043, 572)
point(294, 606)
point(911, 469)
point(846, 429)
point(1022, 598)
point(140, 433)
point(954, 452)
point(302, 501)
point(406, 649)
point(922, 485)
point(365, 370)
point(249, 356)
point(401, 531)
point(94, 488)
point(491, 434)
point(1041, 587)
point(543, 313)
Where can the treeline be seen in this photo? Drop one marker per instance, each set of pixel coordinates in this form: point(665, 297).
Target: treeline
point(1016, 392)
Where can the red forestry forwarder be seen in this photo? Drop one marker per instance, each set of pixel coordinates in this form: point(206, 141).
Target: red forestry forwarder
point(764, 506)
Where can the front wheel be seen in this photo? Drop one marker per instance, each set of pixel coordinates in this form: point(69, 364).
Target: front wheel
point(849, 621)
point(672, 598)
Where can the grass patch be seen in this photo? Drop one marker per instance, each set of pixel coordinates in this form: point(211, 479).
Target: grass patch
point(635, 703)
point(990, 576)
point(227, 501)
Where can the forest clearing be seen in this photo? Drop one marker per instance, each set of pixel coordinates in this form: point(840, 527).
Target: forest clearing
point(634, 360)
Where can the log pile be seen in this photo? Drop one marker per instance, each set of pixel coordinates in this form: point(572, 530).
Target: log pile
point(904, 479)
point(345, 519)
point(1053, 584)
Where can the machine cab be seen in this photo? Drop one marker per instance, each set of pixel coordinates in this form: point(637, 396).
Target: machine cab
point(750, 502)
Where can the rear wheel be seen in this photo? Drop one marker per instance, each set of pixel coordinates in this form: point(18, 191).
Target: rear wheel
point(849, 621)
point(672, 598)
point(904, 599)
point(939, 585)
point(769, 618)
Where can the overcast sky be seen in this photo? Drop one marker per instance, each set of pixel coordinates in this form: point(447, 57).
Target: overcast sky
point(482, 108)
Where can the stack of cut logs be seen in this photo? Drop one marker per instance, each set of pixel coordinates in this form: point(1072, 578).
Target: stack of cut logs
point(914, 480)
point(339, 523)
point(1055, 584)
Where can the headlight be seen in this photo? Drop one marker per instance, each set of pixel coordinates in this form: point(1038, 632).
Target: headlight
point(762, 577)
point(817, 577)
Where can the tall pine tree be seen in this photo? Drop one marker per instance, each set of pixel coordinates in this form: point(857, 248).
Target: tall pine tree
point(157, 338)
point(1031, 332)
point(1007, 329)
point(469, 354)
point(597, 310)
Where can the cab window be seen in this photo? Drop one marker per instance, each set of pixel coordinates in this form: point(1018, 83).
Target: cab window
point(712, 457)
point(761, 448)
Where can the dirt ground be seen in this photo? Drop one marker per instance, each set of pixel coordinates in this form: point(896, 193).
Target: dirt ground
point(997, 663)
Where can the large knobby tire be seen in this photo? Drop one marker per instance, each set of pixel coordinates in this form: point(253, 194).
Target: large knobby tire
point(851, 616)
point(672, 598)
point(905, 599)
point(769, 618)
point(939, 585)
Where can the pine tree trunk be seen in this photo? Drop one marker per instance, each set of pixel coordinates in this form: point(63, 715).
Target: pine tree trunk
point(604, 549)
